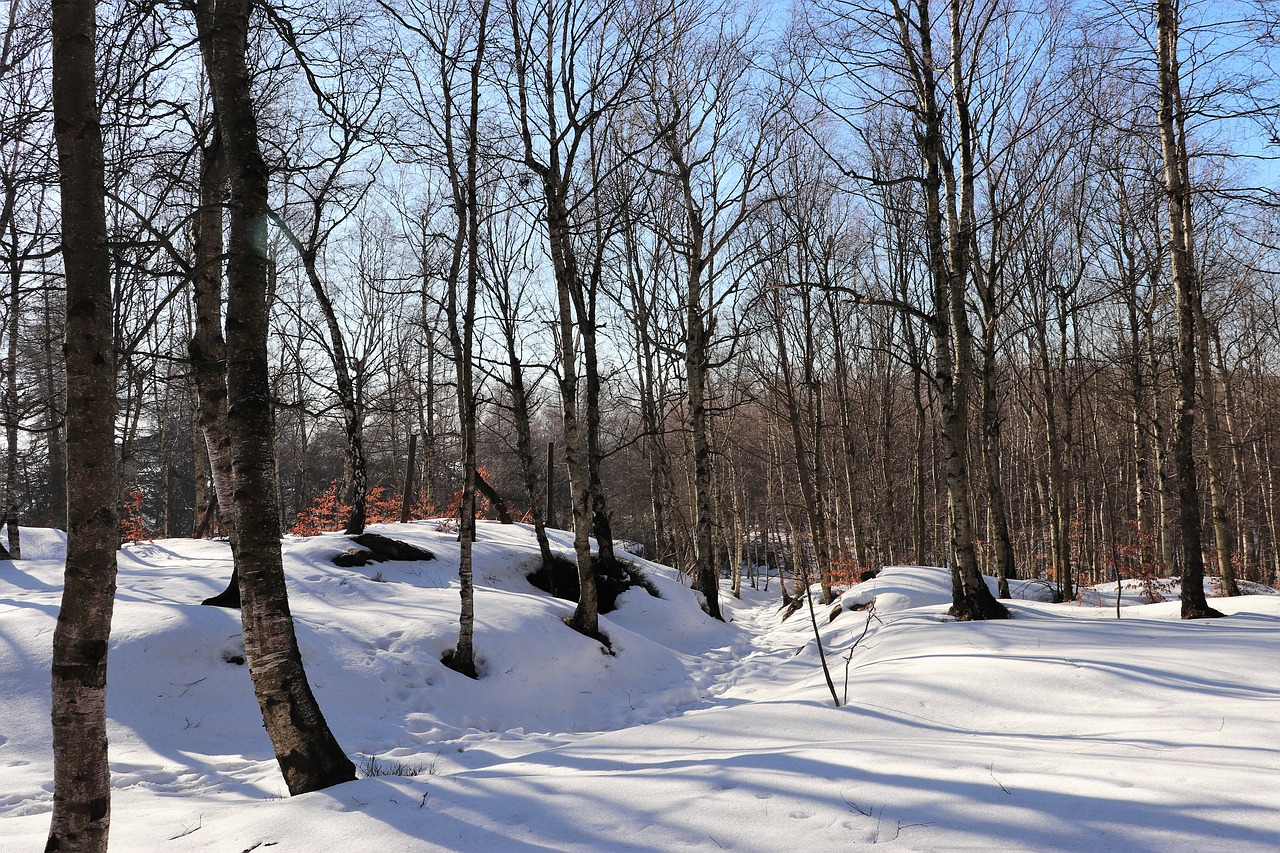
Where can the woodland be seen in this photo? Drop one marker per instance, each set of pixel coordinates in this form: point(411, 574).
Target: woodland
point(811, 289)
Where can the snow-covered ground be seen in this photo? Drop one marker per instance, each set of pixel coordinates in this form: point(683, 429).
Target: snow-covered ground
point(1062, 729)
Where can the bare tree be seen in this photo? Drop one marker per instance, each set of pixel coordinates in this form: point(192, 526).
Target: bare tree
point(713, 134)
point(574, 64)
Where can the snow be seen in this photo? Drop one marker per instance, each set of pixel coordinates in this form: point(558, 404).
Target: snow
point(1064, 728)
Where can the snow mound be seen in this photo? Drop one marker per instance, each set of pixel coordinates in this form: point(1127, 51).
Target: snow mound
point(1136, 593)
point(900, 588)
point(42, 543)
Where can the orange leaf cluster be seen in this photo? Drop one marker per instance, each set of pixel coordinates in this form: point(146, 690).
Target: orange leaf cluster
point(133, 526)
point(328, 512)
point(845, 573)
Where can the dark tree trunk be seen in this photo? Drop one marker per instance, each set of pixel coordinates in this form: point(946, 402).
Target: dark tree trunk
point(309, 755)
point(406, 497)
point(55, 428)
point(524, 447)
point(12, 413)
point(1181, 250)
point(948, 266)
point(208, 351)
point(81, 778)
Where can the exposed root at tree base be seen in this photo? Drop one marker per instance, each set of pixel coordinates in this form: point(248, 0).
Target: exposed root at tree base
point(1196, 612)
point(599, 636)
point(613, 578)
point(985, 608)
point(468, 670)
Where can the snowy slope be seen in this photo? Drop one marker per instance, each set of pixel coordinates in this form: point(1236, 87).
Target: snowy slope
point(1062, 729)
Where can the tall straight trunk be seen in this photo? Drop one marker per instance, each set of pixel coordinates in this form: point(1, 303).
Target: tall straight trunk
point(991, 431)
point(464, 178)
point(1164, 498)
point(54, 426)
point(306, 750)
point(208, 350)
point(81, 777)
point(524, 446)
point(11, 409)
point(1215, 465)
point(697, 361)
point(168, 436)
point(1261, 461)
point(953, 346)
point(738, 533)
point(555, 176)
point(888, 542)
point(844, 399)
point(427, 414)
point(918, 545)
point(804, 459)
point(1137, 425)
point(1182, 262)
point(1247, 537)
point(202, 494)
point(410, 470)
point(585, 306)
point(1056, 447)
point(586, 616)
point(706, 578)
point(991, 427)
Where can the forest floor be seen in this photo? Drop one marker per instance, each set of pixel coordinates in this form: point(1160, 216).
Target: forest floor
point(1065, 728)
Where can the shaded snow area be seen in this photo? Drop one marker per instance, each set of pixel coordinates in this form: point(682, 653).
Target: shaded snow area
point(1062, 729)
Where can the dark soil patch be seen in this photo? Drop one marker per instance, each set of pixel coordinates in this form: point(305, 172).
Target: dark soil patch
point(379, 549)
point(613, 577)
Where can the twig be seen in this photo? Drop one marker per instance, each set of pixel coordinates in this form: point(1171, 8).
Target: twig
point(186, 832)
point(992, 770)
point(851, 804)
point(192, 684)
point(871, 611)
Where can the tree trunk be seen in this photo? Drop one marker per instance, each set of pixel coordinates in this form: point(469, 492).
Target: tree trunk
point(524, 446)
point(1215, 466)
point(949, 266)
point(55, 428)
point(12, 413)
point(601, 525)
point(406, 496)
point(991, 427)
point(804, 457)
point(706, 578)
point(1181, 249)
point(586, 616)
point(208, 350)
point(308, 754)
point(81, 777)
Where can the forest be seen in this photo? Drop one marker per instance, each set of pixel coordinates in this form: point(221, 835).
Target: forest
point(809, 289)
